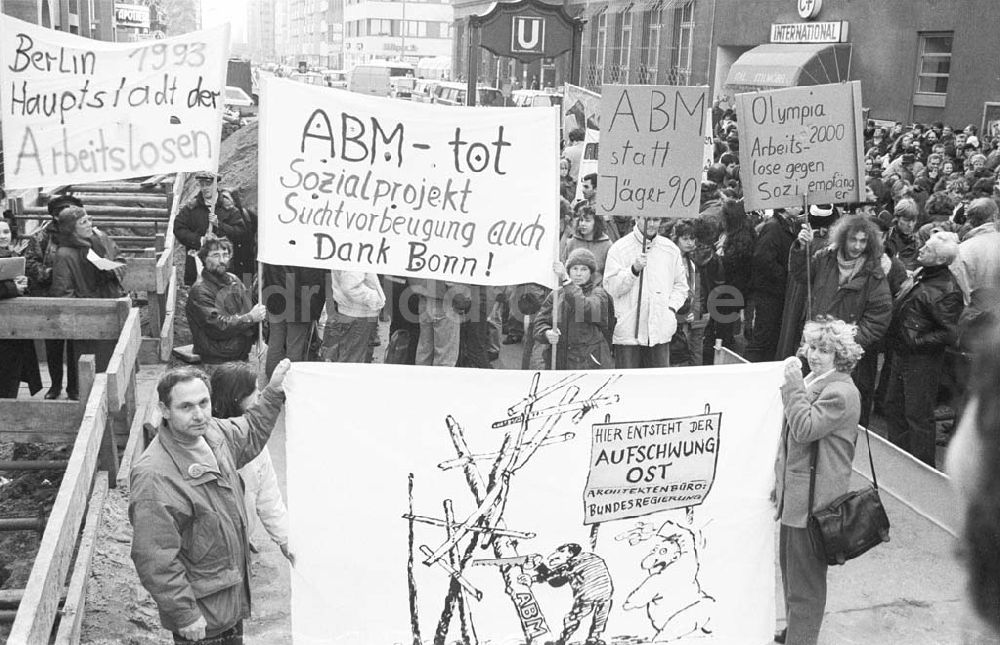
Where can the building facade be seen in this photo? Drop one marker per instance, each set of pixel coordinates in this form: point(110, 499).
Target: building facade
point(89, 18)
point(309, 31)
point(392, 30)
point(261, 34)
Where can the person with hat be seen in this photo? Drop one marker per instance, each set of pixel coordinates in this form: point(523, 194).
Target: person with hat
point(40, 254)
point(189, 544)
point(581, 333)
point(924, 325)
point(211, 210)
point(75, 275)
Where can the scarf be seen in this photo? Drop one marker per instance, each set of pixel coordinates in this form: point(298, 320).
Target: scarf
point(848, 268)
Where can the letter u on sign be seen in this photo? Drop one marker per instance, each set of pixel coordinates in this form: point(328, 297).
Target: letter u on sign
point(527, 35)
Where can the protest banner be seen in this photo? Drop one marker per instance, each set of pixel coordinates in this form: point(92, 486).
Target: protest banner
point(460, 194)
point(450, 513)
point(652, 145)
point(81, 110)
point(581, 109)
point(801, 143)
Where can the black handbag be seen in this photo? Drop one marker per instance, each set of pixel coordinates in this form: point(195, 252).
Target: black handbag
point(852, 524)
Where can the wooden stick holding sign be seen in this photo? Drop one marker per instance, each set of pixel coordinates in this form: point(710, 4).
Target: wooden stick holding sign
point(808, 251)
point(638, 304)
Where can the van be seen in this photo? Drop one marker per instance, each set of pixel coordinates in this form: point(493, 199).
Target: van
point(335, 78)
point(373, 77)
point(449, 93)
point(535, 98)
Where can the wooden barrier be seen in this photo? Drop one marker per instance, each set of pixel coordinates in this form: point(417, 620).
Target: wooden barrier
point(70, 318)
point(37, 612)
point(47, 421)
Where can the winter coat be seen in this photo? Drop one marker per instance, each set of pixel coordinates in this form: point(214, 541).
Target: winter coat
point(189, 544)
point(584, 327)
point(904, 247)
point(737, 259)
point(925, 316)
point(263, 497)
point(73, 276)
point(664, 288)
point(191, 223)
point(40, 256)
point(18, 361)
point(306, 286)
point(977, 270)
point(598, 247)
point(827, 411)
point(770, 256)
point(863, 301)
point(793, 315)
point(355, 294)
point(216, 309)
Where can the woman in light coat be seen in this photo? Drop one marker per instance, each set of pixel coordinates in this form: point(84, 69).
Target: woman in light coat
point(821, 414)
point(234, 389)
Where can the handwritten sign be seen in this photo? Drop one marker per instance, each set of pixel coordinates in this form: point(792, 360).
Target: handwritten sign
point(82, 110)
point(642, 467)
point(453, 193)
point(801, 141)
point(651, 150)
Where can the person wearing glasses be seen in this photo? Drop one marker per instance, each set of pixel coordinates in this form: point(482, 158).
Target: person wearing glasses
point(220, 312)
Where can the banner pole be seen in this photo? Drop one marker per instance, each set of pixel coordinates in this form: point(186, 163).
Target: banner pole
point(638, 304)
point(808, 248)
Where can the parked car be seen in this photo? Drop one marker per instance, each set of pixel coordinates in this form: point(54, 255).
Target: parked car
point(423, 90)
point(373, 78)
point(536, 98)
point(449, 93)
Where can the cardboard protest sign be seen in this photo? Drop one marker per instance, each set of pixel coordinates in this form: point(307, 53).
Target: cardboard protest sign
point(453, 193)
point(801, 142)
point(450, 512)
point(652, 144)
point(581, 109)
point(640, 467)
point(79, 110)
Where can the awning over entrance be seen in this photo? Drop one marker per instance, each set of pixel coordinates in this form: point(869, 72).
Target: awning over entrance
point(773, 65)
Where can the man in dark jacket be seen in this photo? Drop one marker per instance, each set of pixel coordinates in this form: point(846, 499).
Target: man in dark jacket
point(210, 211)
point(220, 312)
point(924, 322)
point(189, 543)
point(849, 283)
point(294, 298)
point(768, 282)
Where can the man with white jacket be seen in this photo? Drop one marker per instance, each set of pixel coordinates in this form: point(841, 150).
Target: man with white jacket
point(352, 310)
point(643, 266)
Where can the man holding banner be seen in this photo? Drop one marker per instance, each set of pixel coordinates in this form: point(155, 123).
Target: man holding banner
point(645, 277)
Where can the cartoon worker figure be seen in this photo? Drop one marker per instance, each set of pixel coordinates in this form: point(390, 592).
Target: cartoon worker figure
point(588, 577)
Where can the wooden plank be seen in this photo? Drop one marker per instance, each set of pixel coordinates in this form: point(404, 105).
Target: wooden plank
point(73, 610)
point(156, 200)
point(135, 445)
point(155, 310)
point(109, 211)
point(11, 598)
point(149, 351)
point(121, 367)
point(163, 276)
point(115, 187)
point(167, 332)
point(72, 318)
point(140, 274)
point(37, 612)
point(43, 421)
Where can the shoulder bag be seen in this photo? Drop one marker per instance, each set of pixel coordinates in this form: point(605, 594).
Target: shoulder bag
point(852, 524)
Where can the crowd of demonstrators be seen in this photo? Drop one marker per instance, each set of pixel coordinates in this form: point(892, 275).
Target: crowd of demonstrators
point(218, 212)
point(19, 359)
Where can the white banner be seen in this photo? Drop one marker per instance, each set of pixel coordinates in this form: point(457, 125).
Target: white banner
point(78, 110)
point(460, 194)
point(430, 502)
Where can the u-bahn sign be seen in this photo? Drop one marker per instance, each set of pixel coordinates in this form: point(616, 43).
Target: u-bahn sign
point(526, 30)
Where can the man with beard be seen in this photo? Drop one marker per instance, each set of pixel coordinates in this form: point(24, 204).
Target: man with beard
point(220, 312)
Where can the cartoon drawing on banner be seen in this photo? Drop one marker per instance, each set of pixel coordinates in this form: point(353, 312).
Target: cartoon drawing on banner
point(637, 468)
point(588, 578)
point(671, 593)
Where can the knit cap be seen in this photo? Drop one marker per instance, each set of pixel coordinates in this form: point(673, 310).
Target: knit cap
point(584, 257)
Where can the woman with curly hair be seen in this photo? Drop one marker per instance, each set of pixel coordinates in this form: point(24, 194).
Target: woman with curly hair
point(821, 422)
point(972, 462)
